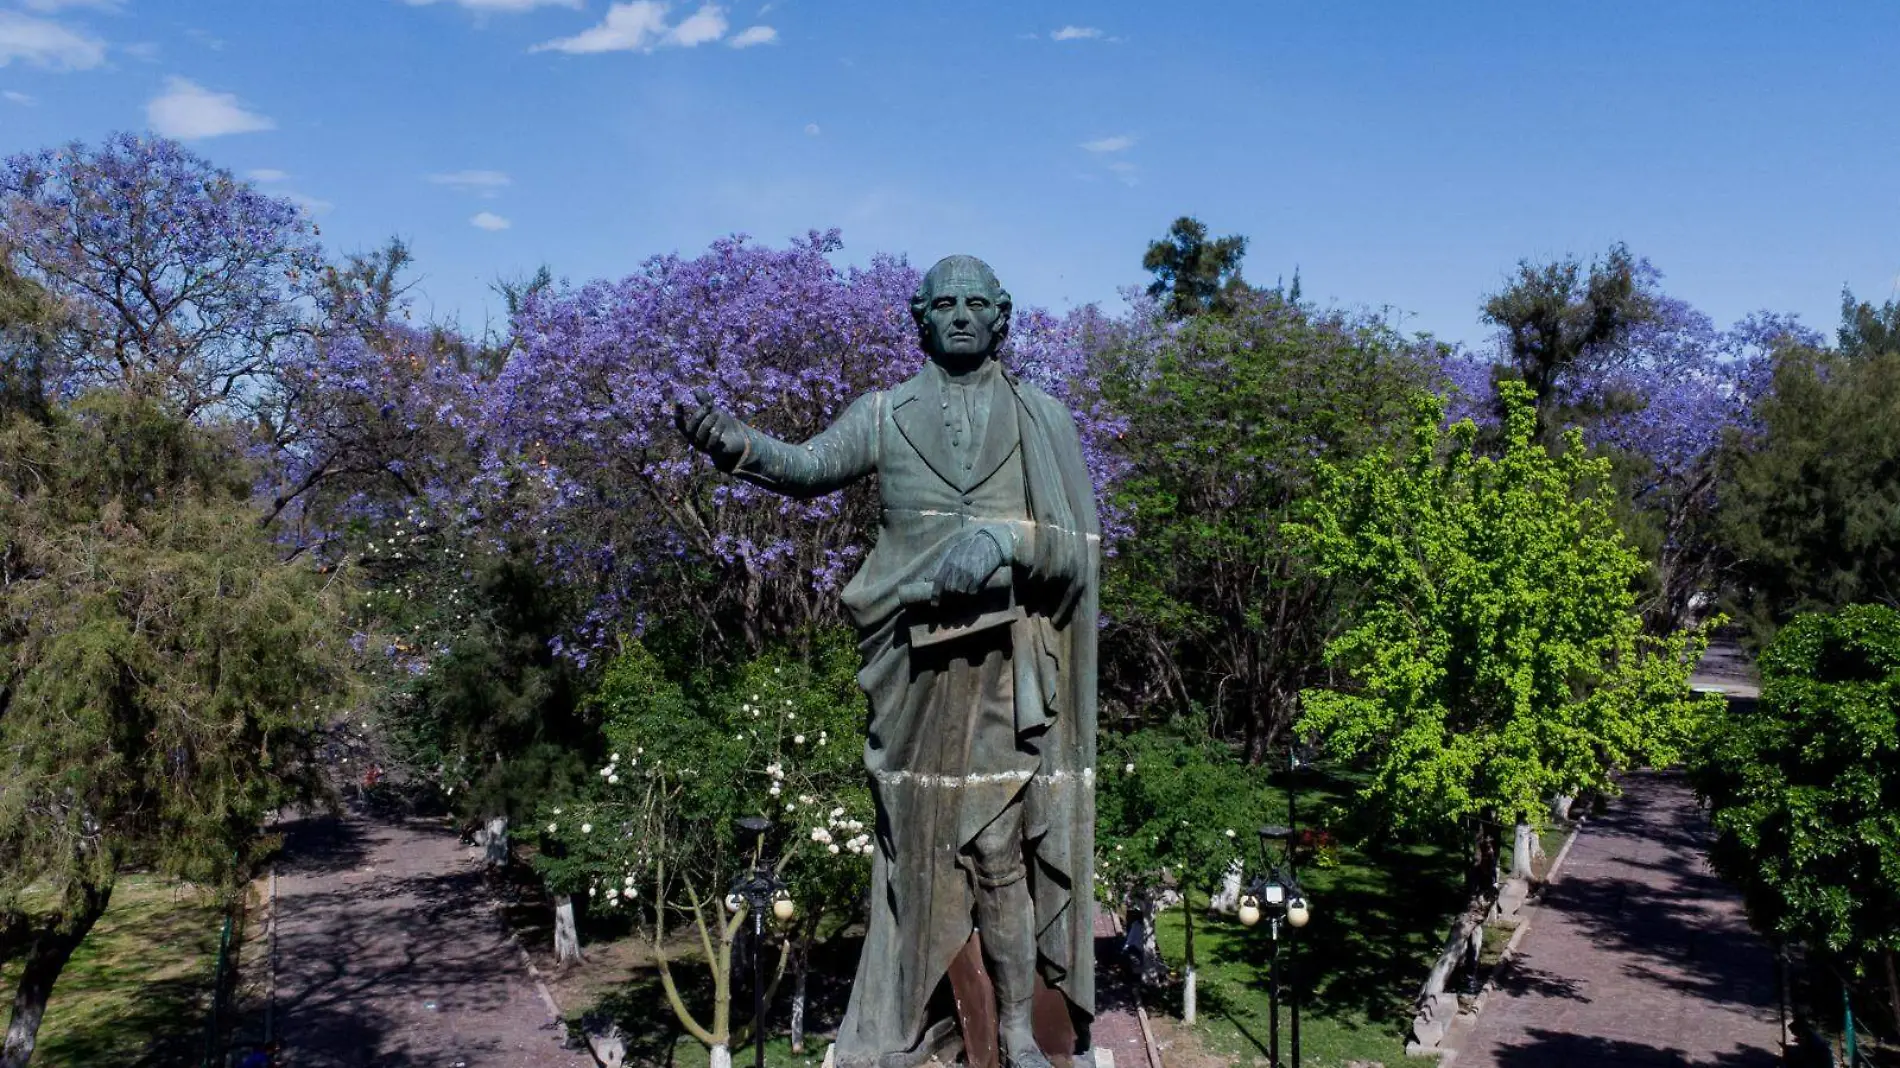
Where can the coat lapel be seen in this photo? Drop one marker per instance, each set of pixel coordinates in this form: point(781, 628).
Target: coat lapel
point(1000, 438)
point(919, 417)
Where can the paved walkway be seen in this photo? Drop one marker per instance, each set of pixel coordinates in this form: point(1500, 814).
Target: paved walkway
point(1639, 956)
point(390, 955)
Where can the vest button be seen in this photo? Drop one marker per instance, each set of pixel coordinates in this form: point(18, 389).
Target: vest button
point(967, 499)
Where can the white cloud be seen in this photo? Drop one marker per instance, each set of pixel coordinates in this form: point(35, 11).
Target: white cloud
point(1117, 143)
point(753, 35)
point(309, 205)
point(1076, 33)
point(50, 6)
point(506, 7)
point(266, 174)
point(189, 111)
point(488, 220)
point(14, 96)
point(485, 183)
point(706, 24)
point(640, 26)
point(812, 129)
point(145, 50)
point(45, 43)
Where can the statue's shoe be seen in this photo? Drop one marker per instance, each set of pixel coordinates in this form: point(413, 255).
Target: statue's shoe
point(1026, 1059)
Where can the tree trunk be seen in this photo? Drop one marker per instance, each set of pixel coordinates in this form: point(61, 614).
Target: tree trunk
point(46, 957)
point(720, 1057)
point(495, 843)
point(1524, 850)
point(1560, 807)
point(567, 938)
point(1228, 899)
point(1893, 988)
point(1187, 988)
point(799, 968)
point(1482, 877)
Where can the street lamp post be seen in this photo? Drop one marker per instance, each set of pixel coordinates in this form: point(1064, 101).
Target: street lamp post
point(1276, 896)
point(759, 890)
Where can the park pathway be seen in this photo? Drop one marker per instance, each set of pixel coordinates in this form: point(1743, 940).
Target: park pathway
point(390, 955)
point(1638, 955)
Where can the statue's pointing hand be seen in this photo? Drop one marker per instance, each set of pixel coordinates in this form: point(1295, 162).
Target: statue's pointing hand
point(711, 431)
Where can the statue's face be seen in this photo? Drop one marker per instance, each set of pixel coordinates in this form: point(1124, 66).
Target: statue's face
point(961, 316)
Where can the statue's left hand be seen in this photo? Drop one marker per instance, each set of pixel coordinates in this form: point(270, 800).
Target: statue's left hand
point(969, 564)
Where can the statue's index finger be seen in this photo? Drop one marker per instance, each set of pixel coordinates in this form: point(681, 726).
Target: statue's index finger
point(702, 398)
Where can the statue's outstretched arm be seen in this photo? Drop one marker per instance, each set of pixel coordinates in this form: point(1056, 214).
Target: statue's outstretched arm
point(839, 455)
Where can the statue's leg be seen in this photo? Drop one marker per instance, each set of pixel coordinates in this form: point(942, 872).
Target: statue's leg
point(1007, 917)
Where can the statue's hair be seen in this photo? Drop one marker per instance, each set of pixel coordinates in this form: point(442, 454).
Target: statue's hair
point(920, 300)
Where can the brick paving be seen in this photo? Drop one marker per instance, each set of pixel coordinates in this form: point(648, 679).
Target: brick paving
point(1116, 1027)
point(390, 955)
point(1638, 956)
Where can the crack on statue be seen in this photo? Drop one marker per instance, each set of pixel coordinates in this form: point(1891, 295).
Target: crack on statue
point(976, 612)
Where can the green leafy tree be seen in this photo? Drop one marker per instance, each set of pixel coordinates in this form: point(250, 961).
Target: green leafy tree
point(1227, 421)
point(28, 324)
point(1174, 807)
point(775, 737)
point(161, 671)
point(1804, 791)
point(1496, 655)
point(1810, 506)
point(1194, 274)
point(1560, 320)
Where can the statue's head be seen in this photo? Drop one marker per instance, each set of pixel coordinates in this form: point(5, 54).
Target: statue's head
point(962, 311)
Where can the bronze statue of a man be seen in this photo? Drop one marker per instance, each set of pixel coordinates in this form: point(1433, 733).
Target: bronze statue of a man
point(977, 617)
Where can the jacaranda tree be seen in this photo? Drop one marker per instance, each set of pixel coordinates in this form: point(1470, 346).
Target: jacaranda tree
point(179, 281)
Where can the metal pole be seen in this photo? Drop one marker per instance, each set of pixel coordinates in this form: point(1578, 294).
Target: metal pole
point(1293, 989)
point(1273, 999)
point(758, 984)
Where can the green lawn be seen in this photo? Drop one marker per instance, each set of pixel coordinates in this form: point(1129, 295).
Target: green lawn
point(137, 992)
point(1379, 919)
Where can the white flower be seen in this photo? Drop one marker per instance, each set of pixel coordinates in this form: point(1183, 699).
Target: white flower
point(551, 828)
point(775, 770)
point(613, 780)
point(798, 739)
point(831, 849)
point(587, 828)
point(1230, 832)
point(615, 759)
point(836, 812)
point(639, 750)
point(612, 893)
point(807, 799)
point(628, 881)
point(788, 702)
point(820, 834)
point(590, 891)
point(755, 697)
point(745, 708)
point(789, 807)
point(557, 812)
point(1128, 768)
point(774, 790)
point(856, 825)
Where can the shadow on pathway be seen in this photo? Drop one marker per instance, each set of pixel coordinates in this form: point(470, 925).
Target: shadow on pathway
point(390, 954)
point(1637, 956)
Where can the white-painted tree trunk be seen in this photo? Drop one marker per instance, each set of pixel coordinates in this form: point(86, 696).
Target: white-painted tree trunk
point(800, 968)
point(1227, 900)
point(1524, 850)
point(1187, 996)
point(1560, 807)
point(495, 843)
point(567, 937)
point(719, 1057)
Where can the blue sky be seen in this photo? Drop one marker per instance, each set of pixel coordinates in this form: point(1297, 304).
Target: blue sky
point(1401, 154)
